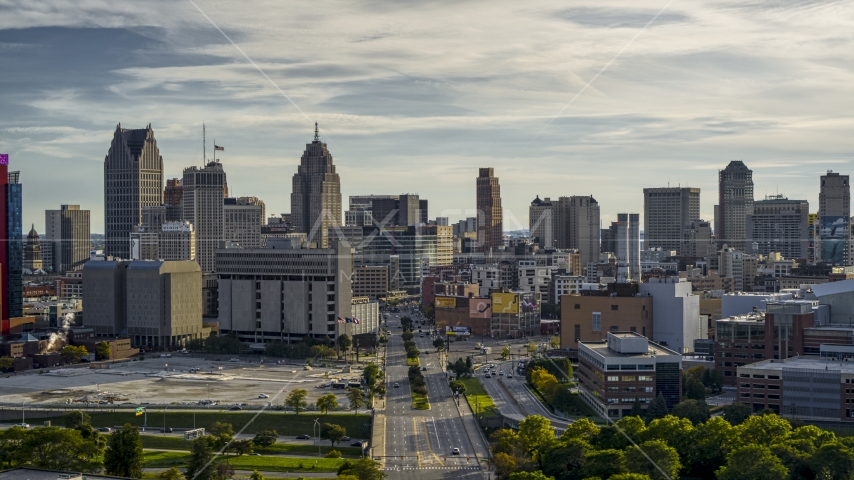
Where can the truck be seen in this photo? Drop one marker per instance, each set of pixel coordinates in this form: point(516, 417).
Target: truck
point(485, 350)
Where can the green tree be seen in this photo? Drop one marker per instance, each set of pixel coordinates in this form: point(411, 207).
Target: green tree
point(763, 430)
point(327, 402)
point(241, 447)
point(266, 438)
point(505, 352)
point(371, 373)
point(694, 410)
point(10, 443)
point(458, 386)
point(407, 336)
point(438, 344)
point(677, 432)
point(412, 352)
point(171, 474)
point(582, 428)
point(296, 400)
point(752, 462)
point(332, 432)
point(75, 418)
point(123, 456)
point(354, 396)
point(637, 409)
point(657, 408)
point(554, 342)
point(736, 413)
point(102, 351)
point(201, 465)
point(535, 432)
point(54, 448)
point(535, 475)
point(379, 389)
point(256, 475)
point(363, 469)
point(835, 460)
point(713, 441)
point(344, 342)
point(6, 364)
point(695, 390)
point(224, 471)
point(604, 463)
point(531, 347)
point(629, 476)
point(661, 457)
point(72, 354)
point(563, 460)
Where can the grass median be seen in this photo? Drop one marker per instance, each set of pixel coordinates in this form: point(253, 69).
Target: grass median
point(176, 443)
point(247, 462)
point(479, 400)
point(412, 362)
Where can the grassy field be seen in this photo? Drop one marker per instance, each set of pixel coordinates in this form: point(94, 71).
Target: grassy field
point(175, 443)
point(358, 426)
point(248, 462)
point(478, 399)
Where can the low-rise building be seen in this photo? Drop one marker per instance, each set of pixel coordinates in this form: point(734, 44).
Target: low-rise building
point(462, 311)
point(626, 367)
point(591, 315)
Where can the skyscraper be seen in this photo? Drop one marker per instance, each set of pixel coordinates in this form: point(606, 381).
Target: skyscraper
point(316, 195)
point(203, 207)
point(69, 236)
point(666, 213)
point(834, 212)
point(541, 221)
point(778, 224)
point(577, 226)
point(133, 178)
point(735, 203)
point(243, 218)
point(173, 192)
point(13, 263)
point(627, 243)
point(489, 213)
point(33, 251)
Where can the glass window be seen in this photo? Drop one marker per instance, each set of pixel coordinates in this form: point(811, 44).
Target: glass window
point(597, 321)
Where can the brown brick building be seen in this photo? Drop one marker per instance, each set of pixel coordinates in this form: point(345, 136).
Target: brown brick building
point(590, 316)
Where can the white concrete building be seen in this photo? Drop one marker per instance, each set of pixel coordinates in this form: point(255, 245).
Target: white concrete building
point(534, 278)
point(675, 313)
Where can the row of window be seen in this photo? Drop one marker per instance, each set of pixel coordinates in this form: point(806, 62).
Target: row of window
point(629, 378)
point(759, 385)
point(761, 395)
point(756, 375)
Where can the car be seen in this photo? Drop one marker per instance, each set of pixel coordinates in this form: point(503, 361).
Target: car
point(501, 373)
point(105, 429)
point(423, 368)
point(255, 454)
point(307, 367)
point(233, 359)
point(455, 451)
point(303, 437)
point(396, 385)
point(263, 395)
point(509, 375)
point(488, 375)
point(345, 439)
point(357, 443)
point(23, 425)
point(235, 408)
point(166, 430)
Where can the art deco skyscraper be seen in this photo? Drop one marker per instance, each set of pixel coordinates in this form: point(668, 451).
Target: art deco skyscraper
point(489, 225)
point(316, 195)
point(202, 201)
point(133, 178)
point(735, 203)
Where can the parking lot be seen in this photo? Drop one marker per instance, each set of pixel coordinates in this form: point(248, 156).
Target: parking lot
point(169, 381)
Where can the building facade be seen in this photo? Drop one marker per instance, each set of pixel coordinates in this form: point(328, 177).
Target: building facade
point(133, 179)
point(173, 193)
point(666, 213)
point(316, 194)
point(33, 251)
point(577, 226)
point(489, 211)
point(735, 203)
point(697, 240)
point(834, 216)
point(243, 219)
point(13, 263)
point(778, 224)
point(541, 222)
point(203, 206)
point(627, 242)
point(590, 316)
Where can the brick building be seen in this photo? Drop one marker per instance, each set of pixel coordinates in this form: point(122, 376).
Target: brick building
point(589, 316)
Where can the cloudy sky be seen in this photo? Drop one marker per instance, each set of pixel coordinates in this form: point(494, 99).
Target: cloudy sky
point(415, 96)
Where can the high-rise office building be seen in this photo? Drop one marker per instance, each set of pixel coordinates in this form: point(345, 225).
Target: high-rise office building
point(778, 224)
point(33, 251)
point(834, 212)
point(627, 243)
point(316, 195)
point(203, 207)
point(666, 213)
point(243, 218)
point(133, 179)
point(489, 213)
point(697, 240)
point(541, 221)
point(735, 203)
point(173, 193)
point(75, 238)
point(396, 210)
point(13, 263)
point(577, 226)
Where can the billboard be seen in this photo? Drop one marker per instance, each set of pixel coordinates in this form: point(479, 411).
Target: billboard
point(505, 303)
point(833, 233)
point(462, 331)
point(446, 302)
point(480, 308)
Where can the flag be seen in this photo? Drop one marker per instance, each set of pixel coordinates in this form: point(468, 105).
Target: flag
point(140, 411)
point(349, 320)
point(356, 320)
point(217, 147)
point(340, 320)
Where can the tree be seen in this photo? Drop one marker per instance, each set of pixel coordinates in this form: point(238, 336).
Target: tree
point(379, 389)
point(6, 364)
point(224, 471)
point(222, 430)
point(72, 354)
point(256, 475)
point(241, 447)
point(637, 409)
point(536, 432)
point(662, 457)
point(835, 460)
point(102, 351)
point(407, 336)
point(695, 390)
point(541, 379)
point(458, 387)
point(201, 465)
point(438, 344)
point(123, 456)
point(563, 459)
point(504, 463)
point(736, 413)
point(354, 396)
point(363, 469)
point(531, 347)
point(657, 408)
point(716, 381)
point(713, 441)
point(677, 432)
point(629, 476)
point(554, 342)
point(752, 462)
point(321, 351)
point(604, 463)
point(412, 352)
point(582, 428)
point(344, 342)
point(75, 418)
point(371, 373)
point(332, 432)
point(171, 474)
point(327, 402)
point(505, 352)
point(296, 400)
point(763, 430)
point(54, 448)
point(10, 444)
point(535, 475)
point(265, 438)
point(694, 410)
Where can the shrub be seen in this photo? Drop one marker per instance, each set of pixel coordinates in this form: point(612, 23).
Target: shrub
point(333, 454)
point(421, 390)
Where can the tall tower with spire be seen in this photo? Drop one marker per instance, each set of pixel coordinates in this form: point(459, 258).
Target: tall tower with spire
point(316, 195)
point(33, 251)
point(489, 212)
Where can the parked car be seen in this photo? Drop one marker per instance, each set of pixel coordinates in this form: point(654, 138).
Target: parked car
point(303, 437)
point(345, 439)
point(357, 443)
point(105, 429)
point(263, 395)
point(235, 408)
point(166, 430)
point(23, 425)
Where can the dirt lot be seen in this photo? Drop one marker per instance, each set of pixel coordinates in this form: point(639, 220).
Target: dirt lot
point(163, 381)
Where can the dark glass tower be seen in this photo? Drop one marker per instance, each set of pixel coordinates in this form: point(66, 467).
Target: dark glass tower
point(13, 304)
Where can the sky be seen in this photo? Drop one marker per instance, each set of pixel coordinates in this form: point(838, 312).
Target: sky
point(597, 98)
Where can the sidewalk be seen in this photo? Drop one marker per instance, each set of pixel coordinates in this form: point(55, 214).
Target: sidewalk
point(475, 434)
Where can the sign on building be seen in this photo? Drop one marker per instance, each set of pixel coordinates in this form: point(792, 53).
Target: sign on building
point(446, 302)
point(505, 303)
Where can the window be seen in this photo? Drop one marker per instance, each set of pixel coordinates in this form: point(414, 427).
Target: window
point(775, 397)
point(773, 387)
point(613, 378)
point(758, 376)
point(758, 395)
point(578, 306)
point(644, 378)
point(597, 321)
point(615, 328)
point(615, 307)
point(628, 378)
point(577, 332)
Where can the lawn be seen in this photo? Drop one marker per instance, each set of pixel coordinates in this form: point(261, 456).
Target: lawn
point(176, 443)
point(412, 362)
point(289, 424)
point(479, 401)
point(248, 462)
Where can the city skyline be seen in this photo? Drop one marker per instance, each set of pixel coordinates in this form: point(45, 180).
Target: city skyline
point(393, 93)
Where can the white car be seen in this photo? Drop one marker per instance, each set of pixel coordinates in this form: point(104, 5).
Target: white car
point(23, 425)
point(233, 359)
point(263, 395)
point(455, 451)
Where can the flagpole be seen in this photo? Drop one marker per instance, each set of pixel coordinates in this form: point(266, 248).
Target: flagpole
point(214, 149)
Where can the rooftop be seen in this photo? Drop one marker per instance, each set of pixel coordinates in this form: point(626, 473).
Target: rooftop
point(808, 363)
point(601, 348)
point(29, 473)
